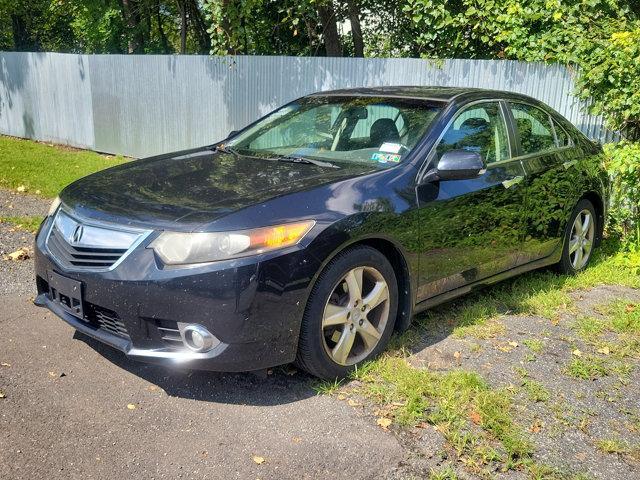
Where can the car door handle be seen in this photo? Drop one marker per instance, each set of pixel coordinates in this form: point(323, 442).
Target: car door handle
point(512, 181)
point(569, 163)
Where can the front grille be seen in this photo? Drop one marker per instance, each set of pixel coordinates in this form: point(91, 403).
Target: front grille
point(170, 333)
point(82, 256)
point(110, 322)
point(89, 245)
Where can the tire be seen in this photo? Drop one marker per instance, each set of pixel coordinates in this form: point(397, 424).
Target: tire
point(569, 263)
point(335, 321)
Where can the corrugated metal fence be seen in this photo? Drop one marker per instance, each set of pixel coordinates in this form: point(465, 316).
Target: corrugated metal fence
point(143, 105)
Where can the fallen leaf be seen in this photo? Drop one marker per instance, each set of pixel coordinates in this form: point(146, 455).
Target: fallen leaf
point(52, 374)
point(384, 422)
point(604, 351)
point(352, 403)
point(258, 460)
point(21, 188)
point(341, 396)
point(296, 439)
point(2, 395)
point(456, 355)
point(5, 364)
point(513, 344)
point(131, 406)
point(422, 425)
point(577, 353)
point(475, 417)
point(535, 427)
point(20, 254)
point(630, 307)
point(505, 349)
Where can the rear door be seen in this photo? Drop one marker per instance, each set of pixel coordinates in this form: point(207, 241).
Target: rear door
point(471, 229)
point(548, 156)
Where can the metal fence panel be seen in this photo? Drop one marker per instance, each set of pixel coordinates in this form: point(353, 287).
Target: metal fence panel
point(46, 96)
point(148, 104)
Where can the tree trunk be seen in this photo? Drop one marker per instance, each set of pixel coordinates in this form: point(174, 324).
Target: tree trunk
point(132, 21)
point(163, 36)
point(356, 31)
point(199, 27)
point(21, 40)
point(183, 26)
point(332, 44)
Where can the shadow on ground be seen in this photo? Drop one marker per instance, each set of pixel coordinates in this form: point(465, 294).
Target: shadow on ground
point(281, 386)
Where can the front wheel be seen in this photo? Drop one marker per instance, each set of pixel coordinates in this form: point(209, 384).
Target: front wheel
point(350, 314)
point(580, 237)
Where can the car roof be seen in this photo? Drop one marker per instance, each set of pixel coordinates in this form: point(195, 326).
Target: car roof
point(441, 94)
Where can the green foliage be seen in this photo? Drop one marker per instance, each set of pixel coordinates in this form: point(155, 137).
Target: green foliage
point(623, 165)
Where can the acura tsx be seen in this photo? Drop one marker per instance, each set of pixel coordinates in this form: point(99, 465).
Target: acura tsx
point(316, 232)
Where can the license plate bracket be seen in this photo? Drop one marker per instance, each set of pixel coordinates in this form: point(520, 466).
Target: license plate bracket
point(67, 293)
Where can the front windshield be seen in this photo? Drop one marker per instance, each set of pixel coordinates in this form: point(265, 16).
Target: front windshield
point(375, 130)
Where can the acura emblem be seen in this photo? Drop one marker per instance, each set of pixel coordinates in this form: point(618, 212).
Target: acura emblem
point(77, 234)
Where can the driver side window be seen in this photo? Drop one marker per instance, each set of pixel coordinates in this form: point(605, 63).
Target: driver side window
point(480, 128)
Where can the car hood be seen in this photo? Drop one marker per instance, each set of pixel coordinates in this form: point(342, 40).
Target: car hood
point(192, 188)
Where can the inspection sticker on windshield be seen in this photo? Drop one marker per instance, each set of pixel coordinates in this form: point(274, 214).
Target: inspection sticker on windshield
point(386, 157)
point(389, 147)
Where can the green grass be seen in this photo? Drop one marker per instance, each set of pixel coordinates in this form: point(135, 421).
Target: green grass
point(534, 345)
point(535, 390)
point(44, 169)
point(623, 316)
point(613, 445)
point(446, 473)
point(475, 419)
point(30, 224)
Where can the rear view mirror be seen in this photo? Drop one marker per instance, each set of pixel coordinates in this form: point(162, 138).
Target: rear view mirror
point(459, 165)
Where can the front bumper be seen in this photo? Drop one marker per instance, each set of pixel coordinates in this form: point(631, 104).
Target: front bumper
point(253, 306)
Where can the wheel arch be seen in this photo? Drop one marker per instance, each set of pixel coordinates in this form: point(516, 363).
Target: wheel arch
point(598, 204)
point(396, 256)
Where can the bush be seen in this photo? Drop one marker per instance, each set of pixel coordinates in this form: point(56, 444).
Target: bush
point(623, 165)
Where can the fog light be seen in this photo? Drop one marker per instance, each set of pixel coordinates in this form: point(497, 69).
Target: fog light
point(198, 338)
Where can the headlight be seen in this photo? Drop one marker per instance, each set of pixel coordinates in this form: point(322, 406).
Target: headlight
point(54, 206)
point(176, 248)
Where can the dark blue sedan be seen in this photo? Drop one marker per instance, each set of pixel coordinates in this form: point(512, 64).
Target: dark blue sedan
point(319, 230)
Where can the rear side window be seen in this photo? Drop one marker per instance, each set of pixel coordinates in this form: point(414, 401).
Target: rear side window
point(480, 129)
point(534, 128)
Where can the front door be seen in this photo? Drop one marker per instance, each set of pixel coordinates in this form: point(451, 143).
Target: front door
point(471, 229)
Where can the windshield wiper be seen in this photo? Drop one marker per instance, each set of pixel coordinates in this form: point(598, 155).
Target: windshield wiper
point(310, 161)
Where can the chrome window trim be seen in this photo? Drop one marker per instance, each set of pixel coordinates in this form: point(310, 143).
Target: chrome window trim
point(143, 235)
point(423, 169)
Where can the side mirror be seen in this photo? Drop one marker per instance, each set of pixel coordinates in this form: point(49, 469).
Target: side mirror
point(232, 133)
point(459, 165)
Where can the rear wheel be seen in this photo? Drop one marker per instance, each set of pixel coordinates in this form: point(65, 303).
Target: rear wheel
point(350, 314)
point(580, 237)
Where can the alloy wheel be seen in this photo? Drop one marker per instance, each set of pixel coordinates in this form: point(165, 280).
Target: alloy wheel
point(581, 241)
point(355, 315)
